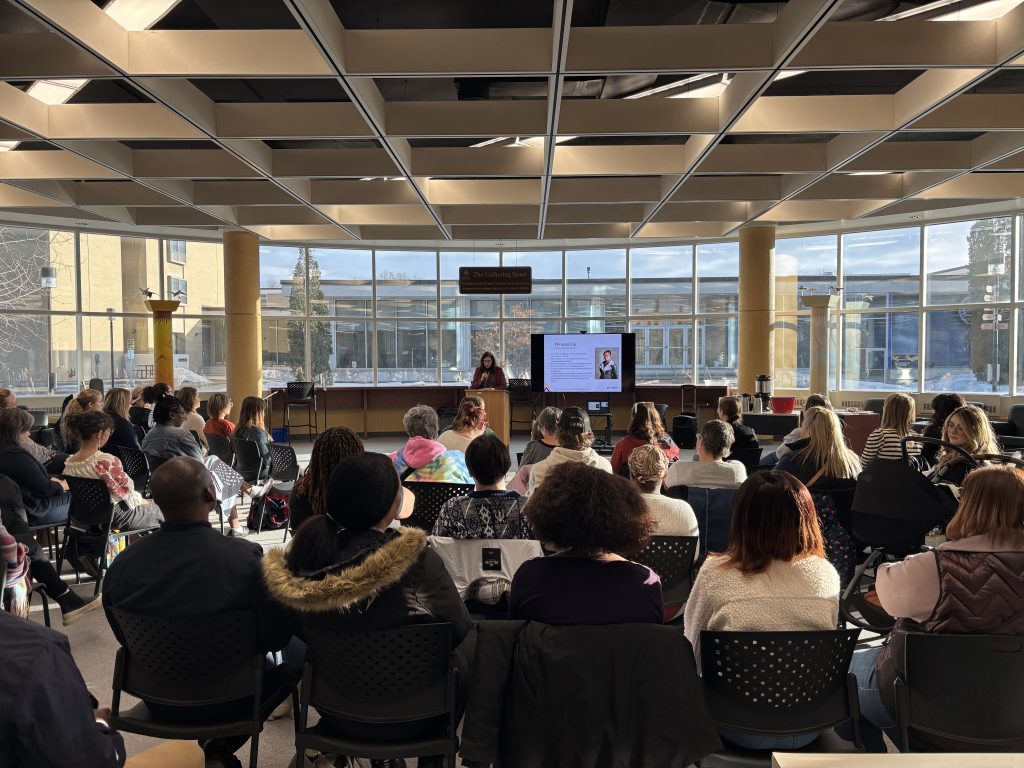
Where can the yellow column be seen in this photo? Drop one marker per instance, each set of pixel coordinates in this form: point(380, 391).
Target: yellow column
point(163, 340)
point(242, 330)
point(757, 305)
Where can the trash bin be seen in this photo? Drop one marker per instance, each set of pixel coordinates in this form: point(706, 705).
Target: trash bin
point(280, 434)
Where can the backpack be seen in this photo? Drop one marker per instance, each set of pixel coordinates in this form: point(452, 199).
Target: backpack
point(839, 548)
point(274, 510)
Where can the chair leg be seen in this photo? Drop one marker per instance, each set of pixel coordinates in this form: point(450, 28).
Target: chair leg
point(254, 750)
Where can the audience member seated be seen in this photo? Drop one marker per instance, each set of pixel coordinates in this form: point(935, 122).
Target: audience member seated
point(48, 457)
point(309, 494)
point(821, 455)
point(645, 428)
point(470, 422)
point(141, 412)
point(897, 422)
point(574, 440)
point(219, 408)
point(943, 404)
point(188, 569)
point(729, 412)
point(116, 404)
point(968, 585)
point(167, 438)
point(773, 578)
point(489, 375)
point(86, 400)
point(542, 437)
point(251, 427)
point(422, 458)
point(48, 718)
point(786, 447)
point(45, 499)
point(191, 401)
point(18, 544)
point(596, 520)
point(674, 517)
point(92, 430)
point(711, 470)
point(490, 511)
point(968, 428)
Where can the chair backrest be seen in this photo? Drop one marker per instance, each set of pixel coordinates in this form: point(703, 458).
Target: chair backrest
point(779, 682)
point(155, 462)
point(964, 687)
point(662, 409)
point(220, 447)
point(135, 463)
point(894, 506)
point(1016, 417)
point(519, 458)
point(140, 432)
point(483, 560)
point(748, 457)
point(671, 557)
point(430, 497)
point(187, 660)
point(96, 384)
point(299, 391)
point(392, 675)
point(248, 462)
point(204, 409)
point(90, 501)
point(713, 508)
point(875, 404)
point(195, 436)
point(284, 464)
point(520, 390)
point(40, 418)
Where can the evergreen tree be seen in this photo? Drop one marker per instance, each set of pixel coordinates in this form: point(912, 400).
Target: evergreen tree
point(321, 347)
point(296, 355)
point(988, 247)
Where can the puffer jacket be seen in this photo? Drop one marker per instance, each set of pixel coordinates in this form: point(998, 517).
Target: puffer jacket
point(430, 462)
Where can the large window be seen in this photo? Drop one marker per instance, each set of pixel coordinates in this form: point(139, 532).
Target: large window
point(880, 350)
point(596, 283)
point(661, 280)
point(882, 269)
point(718, 277)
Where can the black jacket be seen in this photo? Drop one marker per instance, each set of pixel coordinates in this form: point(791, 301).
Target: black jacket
point(379, 580)
point(745, 436)
point(31, 477)
point(188, 569)
point(46, 712)
point(124, 433)
point(615, 696)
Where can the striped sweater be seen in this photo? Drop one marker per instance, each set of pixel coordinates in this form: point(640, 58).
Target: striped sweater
point(885, 444)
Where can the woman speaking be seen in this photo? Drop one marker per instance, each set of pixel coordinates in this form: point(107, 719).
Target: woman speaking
point(488, 375)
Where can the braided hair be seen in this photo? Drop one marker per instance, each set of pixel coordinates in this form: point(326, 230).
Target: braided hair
point(331, 447)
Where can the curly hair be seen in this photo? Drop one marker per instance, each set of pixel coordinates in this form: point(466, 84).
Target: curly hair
point(331, 446)
point(471, 415)
point(586, 509)
point(646, 423)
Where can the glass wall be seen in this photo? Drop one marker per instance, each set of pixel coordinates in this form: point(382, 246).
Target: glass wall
point(925, 308)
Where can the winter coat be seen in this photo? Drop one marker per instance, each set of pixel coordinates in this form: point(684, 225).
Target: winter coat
point(430, 462)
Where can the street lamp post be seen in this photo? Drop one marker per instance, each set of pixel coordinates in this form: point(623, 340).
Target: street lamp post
point(110, 317)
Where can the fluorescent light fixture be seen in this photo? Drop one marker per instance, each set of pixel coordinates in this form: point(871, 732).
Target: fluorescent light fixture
point(673, 85)
point(788, 73)
point(711, 91)
point(55, 91)
point(870, 173)
point(488, 142)
point(993, 9)
point(6, 146)
point(137, 15)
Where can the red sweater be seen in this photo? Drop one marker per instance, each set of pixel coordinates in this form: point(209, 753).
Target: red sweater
point(221, 427)
point(626, 445)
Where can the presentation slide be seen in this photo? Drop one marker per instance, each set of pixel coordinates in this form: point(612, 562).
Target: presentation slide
point(590, 362)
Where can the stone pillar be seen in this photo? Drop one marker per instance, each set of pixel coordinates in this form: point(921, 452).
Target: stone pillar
point(242, 329)
point(756, 305)
point(820, 339)
point(163, 340)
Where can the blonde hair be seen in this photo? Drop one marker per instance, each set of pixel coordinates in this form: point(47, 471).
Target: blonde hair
point(991, 504)
point(898, 413)
point(76, 407)
point(117, 402)
point(977, 430)
point(827, 449)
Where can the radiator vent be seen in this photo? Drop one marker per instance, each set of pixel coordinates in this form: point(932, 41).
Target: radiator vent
point(852, 404)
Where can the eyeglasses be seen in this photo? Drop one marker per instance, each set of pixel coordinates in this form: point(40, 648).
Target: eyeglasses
point(954, 427)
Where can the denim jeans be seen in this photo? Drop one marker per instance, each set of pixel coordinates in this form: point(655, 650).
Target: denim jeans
point(874, 715)
point(57, 510)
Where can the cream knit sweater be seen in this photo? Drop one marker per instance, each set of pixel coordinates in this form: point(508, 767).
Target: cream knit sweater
point(799, 595)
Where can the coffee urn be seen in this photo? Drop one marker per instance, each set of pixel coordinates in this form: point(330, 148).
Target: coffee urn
point(763, 391)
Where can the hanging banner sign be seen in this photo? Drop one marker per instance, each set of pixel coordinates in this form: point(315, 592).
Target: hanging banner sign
point(495, 280)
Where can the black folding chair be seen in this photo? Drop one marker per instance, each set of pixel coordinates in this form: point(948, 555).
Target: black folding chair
point(671, 557)
point(220, 447)
point(748, 457)
point(189, 662)
point(284, 469)
point(968, 688)
point(248, 462)
point(779, 683)
point(135, 464)
point(301, 394)
point(430, 497)
point(361, 681)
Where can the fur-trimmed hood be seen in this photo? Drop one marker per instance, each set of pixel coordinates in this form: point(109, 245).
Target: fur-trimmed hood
point(344, 586)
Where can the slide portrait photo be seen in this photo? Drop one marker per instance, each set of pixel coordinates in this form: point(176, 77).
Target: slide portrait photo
point(607, 363)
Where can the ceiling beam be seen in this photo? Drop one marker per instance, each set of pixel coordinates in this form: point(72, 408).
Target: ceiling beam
point(561, 26)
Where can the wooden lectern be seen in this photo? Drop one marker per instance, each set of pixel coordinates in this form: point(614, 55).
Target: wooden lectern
point(498, 414)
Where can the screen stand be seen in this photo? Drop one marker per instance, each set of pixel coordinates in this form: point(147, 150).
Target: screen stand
point(604, 444)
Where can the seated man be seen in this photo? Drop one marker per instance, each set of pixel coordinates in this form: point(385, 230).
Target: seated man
point(48, 719)
point(188, 568)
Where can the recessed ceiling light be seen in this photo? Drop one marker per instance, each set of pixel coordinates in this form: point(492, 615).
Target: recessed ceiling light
point(137, 15)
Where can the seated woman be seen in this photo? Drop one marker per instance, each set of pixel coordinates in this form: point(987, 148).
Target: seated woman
point(45, 499)
point(786, 447)
point(645, 428)
point(490, 511)
point(143, 400)
point(422, 458)
point(167, 438)
point(219, 408)
point(116, 404)
point(48, 457)
point(596, 520)
point(674, 517)
point(574, 440)
point(773, 578)
point(191, 401)
point(821, 455)
point(542, 437)
point(470, 422)
point(309, 494)
point(251, 427)
point(92, 430)
point(729, 412)
point(897, 422)
point(967, 427)
point(943, 404)
point(957, 588)
point(711, 470)
point(86, 400)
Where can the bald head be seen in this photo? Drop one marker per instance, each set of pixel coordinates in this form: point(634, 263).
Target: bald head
point(183, 489)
